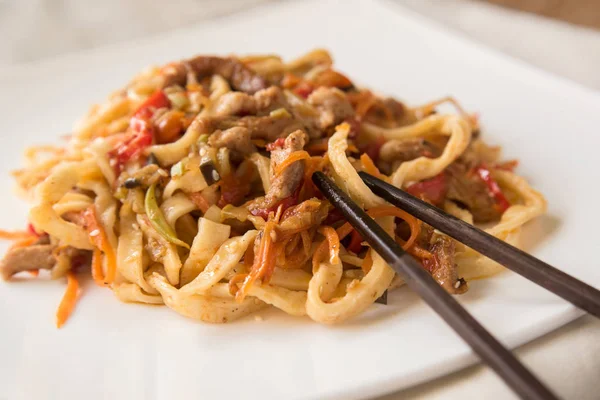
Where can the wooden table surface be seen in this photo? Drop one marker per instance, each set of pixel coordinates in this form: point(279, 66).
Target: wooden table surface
point(579, 12)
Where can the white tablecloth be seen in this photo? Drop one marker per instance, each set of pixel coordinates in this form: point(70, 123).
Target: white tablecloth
point(567, 359)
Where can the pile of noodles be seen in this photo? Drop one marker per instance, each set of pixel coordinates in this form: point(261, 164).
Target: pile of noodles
point(213, 275)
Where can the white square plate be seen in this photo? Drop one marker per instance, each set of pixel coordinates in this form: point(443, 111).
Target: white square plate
point(117, 351)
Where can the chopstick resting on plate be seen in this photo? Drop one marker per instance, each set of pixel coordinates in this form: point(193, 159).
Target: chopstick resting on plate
point(564, 285)
point(519, 378)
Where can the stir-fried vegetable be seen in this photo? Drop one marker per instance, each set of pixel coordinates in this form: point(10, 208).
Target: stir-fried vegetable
point(209, 172)
point(264, 260)
point(178, 169)
point(433, 190)
point(98, 237)
point(142, 131)
point(369, 166)
point(158, 220)
point(146, 110)
point(67, 304)
point(131, 183)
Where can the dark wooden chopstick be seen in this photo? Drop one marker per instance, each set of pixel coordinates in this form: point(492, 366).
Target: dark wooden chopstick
point(519, 378)
point(564, 285)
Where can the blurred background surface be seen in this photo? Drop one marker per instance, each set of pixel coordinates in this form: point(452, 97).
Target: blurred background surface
point(34, 29)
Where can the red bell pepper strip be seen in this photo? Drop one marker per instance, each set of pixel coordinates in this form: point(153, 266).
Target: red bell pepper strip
point(484, 174)
point(143, 132)
point(355, 244)
point(373, 148)
point(304, 89)
point(153, 103)
point(433, 189)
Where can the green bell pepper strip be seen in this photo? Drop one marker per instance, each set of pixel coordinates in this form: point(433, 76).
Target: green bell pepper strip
point(157, 219)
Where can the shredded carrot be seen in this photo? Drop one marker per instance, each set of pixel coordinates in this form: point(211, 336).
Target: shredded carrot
point(264, 260)
point(418, 251)
point(318, 146)
point(14, 235)
point(233, 287)
point(367, 262)
point(100, 240)
point(26, 241)
point(383, 211)
point(370, 167)
point(308, 188)
point(200, 201)
point(333, 241)
point(97, 272)
point(67, 304)
point(292, 158)
point(249, 257)
point(346, 229)
point(352, 148)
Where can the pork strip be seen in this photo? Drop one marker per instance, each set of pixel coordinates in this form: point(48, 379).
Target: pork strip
point(36, 256)
point(285, 184)
point(445, 270)
point(239, 76)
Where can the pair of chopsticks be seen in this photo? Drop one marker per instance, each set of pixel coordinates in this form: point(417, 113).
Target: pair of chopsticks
point(519, 378)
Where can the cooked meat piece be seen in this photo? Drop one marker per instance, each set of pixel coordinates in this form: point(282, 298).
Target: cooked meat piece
point(237, 139)
point(389, 113)
point(286, 183)
point(36, 256)
point(303, 216)
point(468, 190)
point(333, 106)
point(235, 103)
point(425, 235)
point(261, 103)
point(267, 128)
point(444, 269)
point(397, 150)
point(239, 76)
point(270, 99)
point(67, 258)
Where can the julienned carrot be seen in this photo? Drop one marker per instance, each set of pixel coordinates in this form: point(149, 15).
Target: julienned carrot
point(374, 212)
point(97, 272)
point(14, 235)
point(413, 223)
point(100, 240)
point(367, 262)
point(24, 242)
point(318, 146)
point(233, 287)
point(200, 201)
point(370, 167)
point(264, 260)
point(292, 158)
point(67, 304)
point(333, 242)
